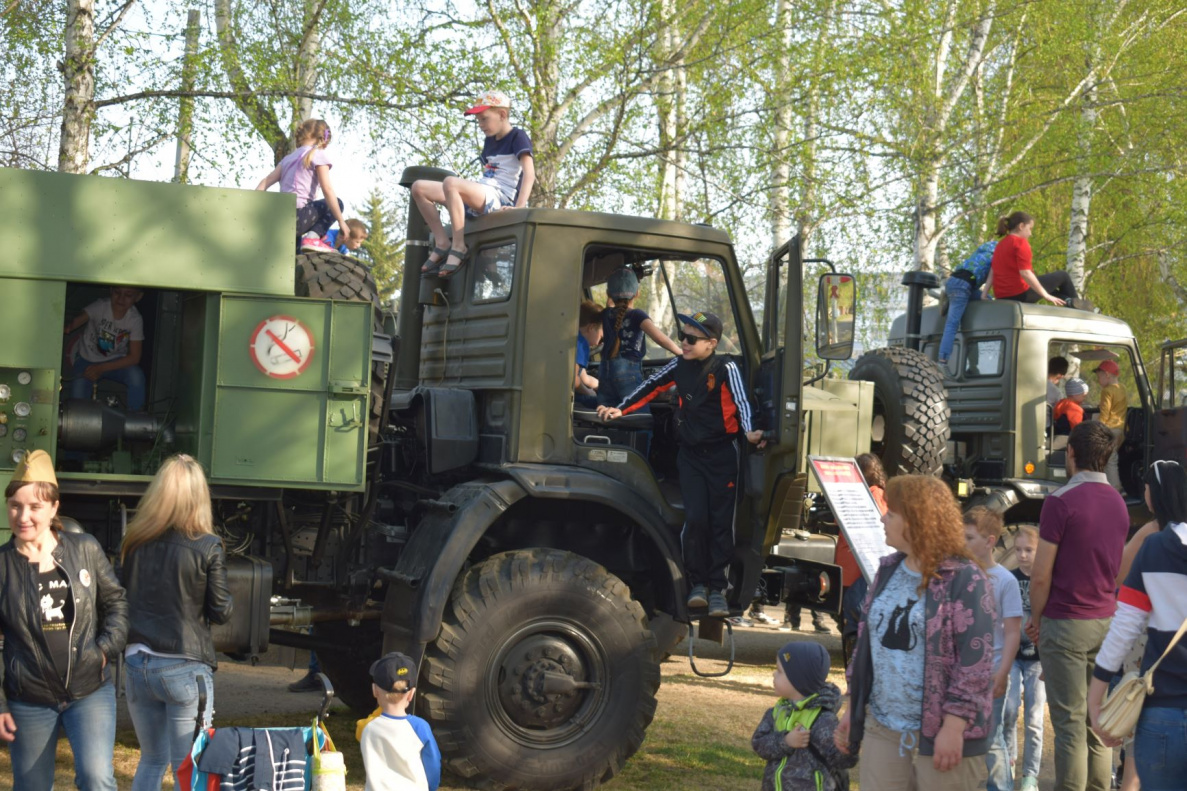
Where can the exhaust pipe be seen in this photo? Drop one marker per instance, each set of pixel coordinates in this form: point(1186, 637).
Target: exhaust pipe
point(917, 283)
point(412, 309)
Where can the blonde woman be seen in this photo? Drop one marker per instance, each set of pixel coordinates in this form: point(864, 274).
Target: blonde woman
point(174, 569)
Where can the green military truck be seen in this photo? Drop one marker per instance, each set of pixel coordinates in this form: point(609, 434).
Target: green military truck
point(424, 484)
point(983, 422)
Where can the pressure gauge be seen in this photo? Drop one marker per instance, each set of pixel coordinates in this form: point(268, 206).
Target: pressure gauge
point(19, 435)
point(5, 392)
point(22, 409)
point(17, 455)
point(3, 430)
point(24, 377)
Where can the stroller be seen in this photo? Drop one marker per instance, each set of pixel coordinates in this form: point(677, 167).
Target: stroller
point(291, 759)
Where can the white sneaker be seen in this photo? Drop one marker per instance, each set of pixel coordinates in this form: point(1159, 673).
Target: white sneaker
point(764, 619)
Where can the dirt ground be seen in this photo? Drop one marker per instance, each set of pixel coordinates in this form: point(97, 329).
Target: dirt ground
point(700, 737)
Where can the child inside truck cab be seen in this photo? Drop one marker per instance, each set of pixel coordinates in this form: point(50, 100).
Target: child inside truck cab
point(589, 335)
point(110, 347)
point(625, 330)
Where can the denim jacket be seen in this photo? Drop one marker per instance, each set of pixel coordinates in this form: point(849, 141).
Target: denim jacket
point(958, 655)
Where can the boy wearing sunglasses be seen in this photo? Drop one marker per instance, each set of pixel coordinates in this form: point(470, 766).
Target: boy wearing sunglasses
point(712, 409)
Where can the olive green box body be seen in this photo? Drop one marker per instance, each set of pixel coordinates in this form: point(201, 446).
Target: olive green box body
point(219, 263)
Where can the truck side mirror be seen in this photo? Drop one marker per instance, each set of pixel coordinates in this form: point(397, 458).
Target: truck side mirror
point(836, 303)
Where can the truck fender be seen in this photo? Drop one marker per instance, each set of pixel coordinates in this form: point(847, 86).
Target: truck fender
point(420, 583)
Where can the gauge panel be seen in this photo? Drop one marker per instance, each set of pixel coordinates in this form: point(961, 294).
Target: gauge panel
point(28, 412)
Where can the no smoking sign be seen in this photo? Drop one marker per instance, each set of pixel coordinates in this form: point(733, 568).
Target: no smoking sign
point(281, 347)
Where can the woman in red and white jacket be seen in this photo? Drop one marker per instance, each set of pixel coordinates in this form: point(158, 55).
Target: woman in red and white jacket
point(1153, 599)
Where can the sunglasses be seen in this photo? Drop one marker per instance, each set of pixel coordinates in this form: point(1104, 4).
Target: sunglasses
point(1157, 467)
point(692, 339)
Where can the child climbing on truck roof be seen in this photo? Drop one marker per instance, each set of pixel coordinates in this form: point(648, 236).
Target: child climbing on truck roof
point(508, 175)
point(302, 173)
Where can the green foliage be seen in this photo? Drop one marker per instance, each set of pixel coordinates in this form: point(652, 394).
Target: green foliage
point(384, 248)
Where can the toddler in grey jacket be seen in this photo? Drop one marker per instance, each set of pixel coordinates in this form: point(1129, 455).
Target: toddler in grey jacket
point(795, 736)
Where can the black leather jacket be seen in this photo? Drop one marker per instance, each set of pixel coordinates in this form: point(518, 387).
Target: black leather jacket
point(177, 587)
point(99, 627)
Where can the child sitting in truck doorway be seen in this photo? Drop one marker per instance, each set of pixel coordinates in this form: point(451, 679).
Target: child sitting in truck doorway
point(712, 410)
point(508, 175)
point(1114, 406)
point(110, 347)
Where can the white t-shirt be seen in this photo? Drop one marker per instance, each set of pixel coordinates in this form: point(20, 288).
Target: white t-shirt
point(106, 337)
point(1008, 597)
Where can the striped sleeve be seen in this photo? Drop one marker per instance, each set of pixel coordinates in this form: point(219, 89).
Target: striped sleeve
point(662, 380)
point(741, 399)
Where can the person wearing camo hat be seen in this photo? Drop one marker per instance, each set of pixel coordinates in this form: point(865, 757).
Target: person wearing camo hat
point(58, 647)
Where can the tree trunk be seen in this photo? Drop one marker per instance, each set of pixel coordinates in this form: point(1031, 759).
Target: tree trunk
point(258, 112)
point(308, 58)
point(185, 116)
point(78, 71)
point(778, 197)
point(670, 102)
point(1077, 237)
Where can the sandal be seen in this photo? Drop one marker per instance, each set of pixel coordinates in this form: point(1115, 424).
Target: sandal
point(448, 269)
point(432, 266)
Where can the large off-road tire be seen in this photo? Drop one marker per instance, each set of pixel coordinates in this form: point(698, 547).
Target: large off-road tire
point(520, 630)
point(337, 276)
point(911, 413)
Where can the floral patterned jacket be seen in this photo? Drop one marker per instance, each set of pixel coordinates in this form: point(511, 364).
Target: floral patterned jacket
point(958, 655)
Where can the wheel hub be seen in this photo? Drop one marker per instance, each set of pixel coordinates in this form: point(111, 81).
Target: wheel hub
point(542, 682)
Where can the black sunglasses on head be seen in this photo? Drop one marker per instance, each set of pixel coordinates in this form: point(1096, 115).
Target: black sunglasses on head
point(684, 336)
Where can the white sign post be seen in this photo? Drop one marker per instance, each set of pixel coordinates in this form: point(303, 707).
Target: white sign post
point(853, 505)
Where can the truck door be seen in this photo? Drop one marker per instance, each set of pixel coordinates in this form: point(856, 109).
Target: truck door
point(779, 390)
point(1169, 437)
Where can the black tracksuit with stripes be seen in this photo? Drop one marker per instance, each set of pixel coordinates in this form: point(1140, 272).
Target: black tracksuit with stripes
point(712, 410)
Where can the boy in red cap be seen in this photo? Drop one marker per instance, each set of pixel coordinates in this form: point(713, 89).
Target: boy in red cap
point(712, 411)
point(508, 174)
point(1114, 406)
point(399, 751)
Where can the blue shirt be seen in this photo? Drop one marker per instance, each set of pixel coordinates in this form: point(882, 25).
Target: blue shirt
point(332, 241)
point(582, 352)
point(632, 340)
point(979, 262)
point(501, 166)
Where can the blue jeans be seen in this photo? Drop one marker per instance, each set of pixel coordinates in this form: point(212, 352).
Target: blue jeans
point(1158, 748)
point(163, 702)
point(1025, 685)
point(960, 293)
point(131, 378)
point(997, 760)
point(90, 726)
point(618, 377)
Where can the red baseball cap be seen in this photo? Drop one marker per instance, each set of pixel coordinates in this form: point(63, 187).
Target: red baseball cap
point(488, 100)
point(1109, 367)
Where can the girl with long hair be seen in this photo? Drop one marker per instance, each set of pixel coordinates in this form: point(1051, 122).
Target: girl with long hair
point(920, 681)
point(625, 330)
point(174, 569)
point(302, 173)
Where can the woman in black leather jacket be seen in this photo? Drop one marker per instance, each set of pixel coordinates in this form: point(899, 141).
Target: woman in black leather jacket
point(64, 620)
point(174, 568)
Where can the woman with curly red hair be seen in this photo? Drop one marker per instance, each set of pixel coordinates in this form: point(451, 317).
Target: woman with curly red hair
point(920, 681)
